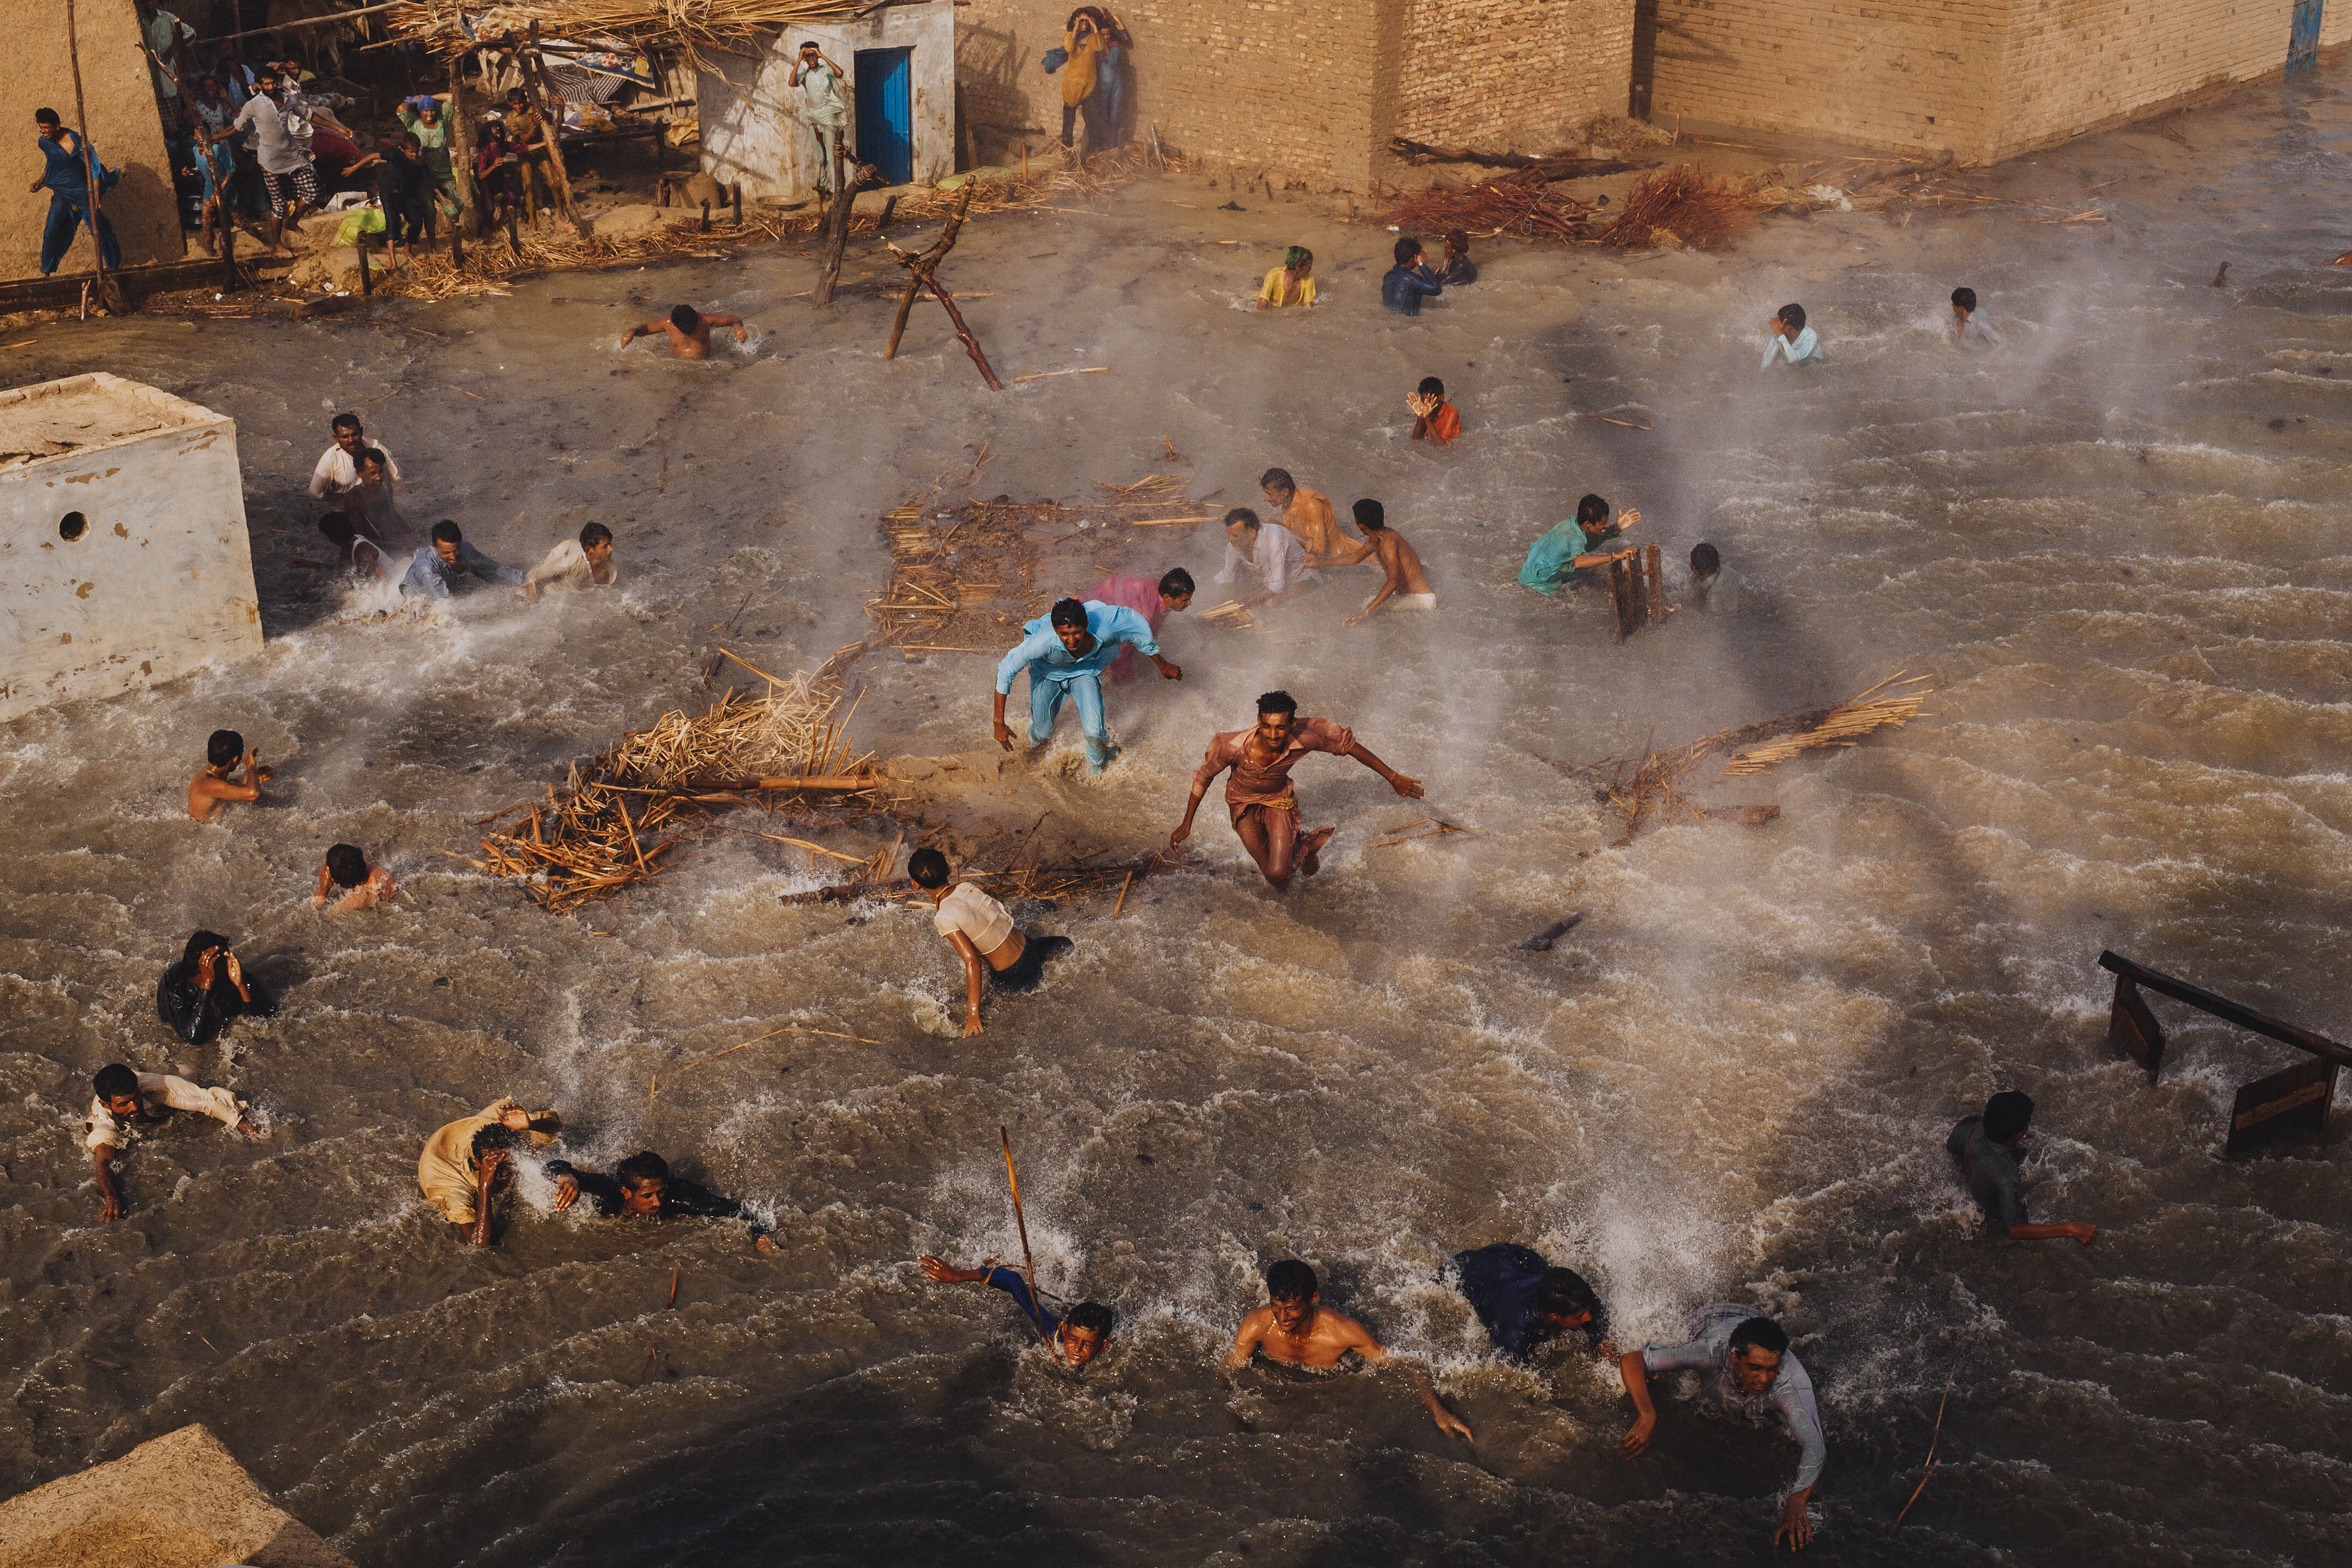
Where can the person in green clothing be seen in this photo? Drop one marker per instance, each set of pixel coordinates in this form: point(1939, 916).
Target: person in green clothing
point(422, 118)
point(1560, 558)
point(818, 81)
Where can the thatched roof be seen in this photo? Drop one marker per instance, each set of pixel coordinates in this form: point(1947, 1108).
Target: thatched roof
point(689, 26)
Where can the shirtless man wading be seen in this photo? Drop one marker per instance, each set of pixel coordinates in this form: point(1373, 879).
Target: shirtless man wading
point(1259, 796)
point(1295, 1330)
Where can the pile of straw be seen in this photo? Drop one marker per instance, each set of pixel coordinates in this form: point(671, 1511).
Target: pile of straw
point(687, 26)
point(1675, 207)
point(1654, 784)
point(491, 263)
point(1517, 203)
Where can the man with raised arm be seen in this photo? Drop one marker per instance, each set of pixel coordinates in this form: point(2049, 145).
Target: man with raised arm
point(1075, 1337)
point(1294, 1329)
point(466, 1163)
point(1065, 653)
point(1745, 1363)
point(641, 1187)
point(1264, 806)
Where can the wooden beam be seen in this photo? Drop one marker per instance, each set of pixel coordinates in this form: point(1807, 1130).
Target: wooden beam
point(2222, 1007)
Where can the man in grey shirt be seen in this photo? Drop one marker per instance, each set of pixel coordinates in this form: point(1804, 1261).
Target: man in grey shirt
point(1745, 1363)
point(1986, 1149)
point(281, 143)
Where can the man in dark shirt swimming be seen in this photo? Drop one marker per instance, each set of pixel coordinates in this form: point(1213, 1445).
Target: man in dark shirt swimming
point(1986, 1149)
point(641, 1187)
point(1076, 1337)
point(1524, 1301)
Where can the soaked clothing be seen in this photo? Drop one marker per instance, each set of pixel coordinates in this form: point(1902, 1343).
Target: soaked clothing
point(1499, 1282)
point(446, 1169)
point(1548, 571)
point(1141, 594)
point(197, 1014)
point(1443, 424)
point(1978, 332)
point(967, 910)
point(1022, 974)
point(1991, 1173)
point(1009, 1281)
point(1277, 284)
point(1405, 287)
point(1790, 1397)
point(567, 566)
point(1459, 270)
point(1805, 348)
point(437, 579)
point(159, 1094)
point(1278, 559)
point(1057, 674)
point(1718, 595)
point(679, 1197)
point(1265, 791)
point(336, 473)
point(1310, 520)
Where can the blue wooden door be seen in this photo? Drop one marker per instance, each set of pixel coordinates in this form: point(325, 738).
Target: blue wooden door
point(886, 112)
point(2302, 38)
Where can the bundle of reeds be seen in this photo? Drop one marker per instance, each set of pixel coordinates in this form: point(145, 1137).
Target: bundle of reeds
point(791, 729)
point(1517, 203)
point(687, 26)
point(1678, 206)
point(1233, 615)
point(585, 845)
point(1842, 725)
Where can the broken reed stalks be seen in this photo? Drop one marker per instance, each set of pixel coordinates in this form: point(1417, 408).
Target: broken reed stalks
point(1694, 208)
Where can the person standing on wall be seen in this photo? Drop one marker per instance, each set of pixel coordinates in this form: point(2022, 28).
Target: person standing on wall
point(818, 81)
point(66, 172)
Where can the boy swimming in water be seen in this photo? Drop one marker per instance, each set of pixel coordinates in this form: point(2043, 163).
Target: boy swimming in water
point(688, 330)
point(1971, 328)
point(362, 886)
point(210, 791)
point(1295, 1330)
point(1076, 1337)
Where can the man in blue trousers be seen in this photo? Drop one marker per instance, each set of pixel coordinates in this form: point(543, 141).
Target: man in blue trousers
point(66, 175)
point(1065, 653)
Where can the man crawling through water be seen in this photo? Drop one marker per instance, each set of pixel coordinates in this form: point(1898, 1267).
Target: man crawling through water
point(688, 330)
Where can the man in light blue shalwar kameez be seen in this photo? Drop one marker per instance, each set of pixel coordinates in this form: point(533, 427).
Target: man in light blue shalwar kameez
point(1065, 653)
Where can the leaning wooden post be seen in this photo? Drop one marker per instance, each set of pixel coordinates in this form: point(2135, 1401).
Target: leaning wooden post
point(461, 147)
point(1657, 595)
point(108, 299)
point(920, 268)
point(837, 222)
point(971, 344)
point(534, 73)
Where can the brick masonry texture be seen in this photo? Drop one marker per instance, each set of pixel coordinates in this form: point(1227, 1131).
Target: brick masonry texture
point(1312, 90)
point(1983, 78)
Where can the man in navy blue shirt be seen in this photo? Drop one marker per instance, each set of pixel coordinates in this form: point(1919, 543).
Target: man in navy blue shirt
point(1410, 280)
point(1524, 1301)
point(1076, 1337)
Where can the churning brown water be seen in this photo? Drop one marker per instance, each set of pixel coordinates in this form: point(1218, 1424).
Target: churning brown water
point(1730, 1081)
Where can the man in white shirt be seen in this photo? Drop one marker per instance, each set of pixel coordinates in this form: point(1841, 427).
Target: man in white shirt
point(818, 81)
point(338, 473)
point(981, 931)
point(584, 563)
point(1268, 549)
point(127, 1103)
point(281, 144)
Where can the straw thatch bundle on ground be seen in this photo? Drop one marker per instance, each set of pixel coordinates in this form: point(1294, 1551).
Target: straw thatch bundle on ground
point(1675, 207)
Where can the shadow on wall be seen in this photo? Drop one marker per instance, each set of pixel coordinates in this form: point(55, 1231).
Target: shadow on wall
point(996, 111)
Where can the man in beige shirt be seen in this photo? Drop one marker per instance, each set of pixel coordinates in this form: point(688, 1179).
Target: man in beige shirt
point(462, 1161)
point(586, 563)
point(127, 1103)
point(981, 931)
point(1308, 516)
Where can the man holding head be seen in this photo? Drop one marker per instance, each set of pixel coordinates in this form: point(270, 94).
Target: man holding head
point(1076, 1337)
point(641, 1187)
point(1065, 652)
point(337, 472)
point(210, 791)
point(1745, 1364)
point(1986, 1148)
point(1294, 1329)
point(1259, 794)
point(469, 1159)
point(818, 81)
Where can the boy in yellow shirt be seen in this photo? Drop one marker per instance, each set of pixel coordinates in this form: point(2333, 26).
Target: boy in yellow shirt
point(1292, 283)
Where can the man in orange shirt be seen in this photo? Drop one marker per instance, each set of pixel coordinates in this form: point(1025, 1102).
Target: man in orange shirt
point(1434, 419)
point(1308, 515)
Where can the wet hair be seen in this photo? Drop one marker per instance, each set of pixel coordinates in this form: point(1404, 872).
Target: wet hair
point(407, 139)
point(347, 864)
point(46, 117)
point(643, 1166)
point(1092, 1316)
point(497, 1135)
point(115, 1080)
point(1277, 479)
point(685, 317)
point(1458, 238)
point(1706, 562)
point(928, 868)
point(1431, 387)
point(1965, 298)
point(1370, 516)
point(1278, 702)
point(223, 747)
point(1290, 1280)
point(1407, 247)
point(1244, 516)
point(1563, 1293)
point(1794, 315)
point(1592, 509)
point(337, 526)
point(374, 455)
point(515, 92)
point(198, 942)
point(808, 43)
point(1175, 583)
point(1297, 256)
point(594, 534)
point(446, 533)
point(2007, 1114)
point(1068, 613)
point(1763, 1333)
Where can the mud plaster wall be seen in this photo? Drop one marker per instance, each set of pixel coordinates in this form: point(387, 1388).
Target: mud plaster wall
point(160, 581)
point(124, 127)
point(1513, 74)
point(1983, 78)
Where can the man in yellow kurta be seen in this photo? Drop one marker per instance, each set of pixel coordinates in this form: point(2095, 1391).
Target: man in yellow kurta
point(1308, 516)
point(461, 1162)
point(1292, 283)
point(1083, 44)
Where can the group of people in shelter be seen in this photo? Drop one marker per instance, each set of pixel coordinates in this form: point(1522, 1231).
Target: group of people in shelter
point(1525, 1302)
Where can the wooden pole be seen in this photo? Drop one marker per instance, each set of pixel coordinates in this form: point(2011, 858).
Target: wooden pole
point(1657, 587)
point(461, 147)
point(920, 267)
point(837, 216)
point(308, 22)
point(109, 297)
point(228, 247)
point(359, 248)
point(1028, 1269)
point(534, 73)
point(971, 344)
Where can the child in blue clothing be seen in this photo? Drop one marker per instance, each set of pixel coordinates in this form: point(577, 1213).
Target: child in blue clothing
point(1076, 1337)
point(1410, 282)
point(1792, 339)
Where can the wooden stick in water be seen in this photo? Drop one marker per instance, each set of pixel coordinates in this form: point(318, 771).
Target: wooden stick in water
point(1028, 1269)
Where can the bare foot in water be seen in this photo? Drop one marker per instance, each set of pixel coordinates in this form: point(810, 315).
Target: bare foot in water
point(1310, 859)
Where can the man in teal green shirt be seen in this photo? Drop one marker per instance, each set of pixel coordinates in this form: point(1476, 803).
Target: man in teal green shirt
point(1561, 558)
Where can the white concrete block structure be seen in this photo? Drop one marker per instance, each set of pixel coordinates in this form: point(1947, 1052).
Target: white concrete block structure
point(123, 554)
point(900, 80)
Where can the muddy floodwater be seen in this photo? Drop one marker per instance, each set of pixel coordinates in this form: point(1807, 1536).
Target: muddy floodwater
point(2121, 548)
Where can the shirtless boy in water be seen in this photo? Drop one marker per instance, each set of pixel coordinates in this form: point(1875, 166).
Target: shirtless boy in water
point(1407, 586)
point(210, 792)
point(1292, 1328)
point(688, 330)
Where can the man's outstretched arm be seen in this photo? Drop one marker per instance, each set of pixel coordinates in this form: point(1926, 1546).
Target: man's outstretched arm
point(1409, 788)
point(1246, 1339)
point(1372, 1350)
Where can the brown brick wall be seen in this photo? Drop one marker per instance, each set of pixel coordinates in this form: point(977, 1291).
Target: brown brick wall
point(1513, 75)
point(1984, 79)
